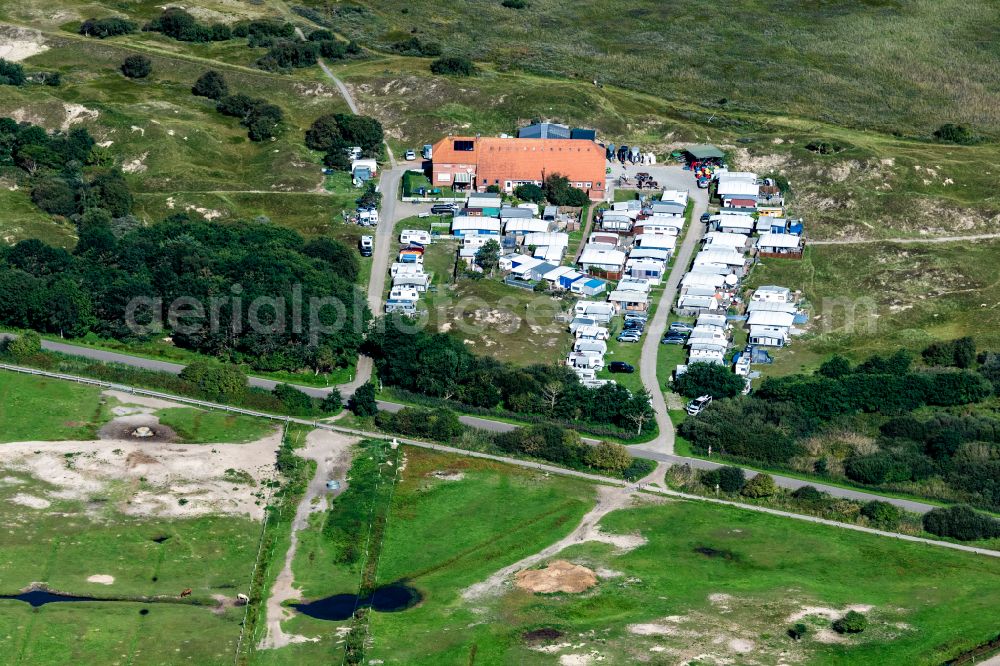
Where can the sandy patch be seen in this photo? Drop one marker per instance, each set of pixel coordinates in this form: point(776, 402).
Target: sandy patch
point(558, 576)
point(101, 579)
point(30, 501)
point(741, 645)
point(826, 613)
point(448, 476)
point(207, 213)
point(652, 629)
point(11, 481)
point(17, 44)
point(580, 659)
point(150, 479)
point(604, 572)
point(77, 113)
point(138, 165)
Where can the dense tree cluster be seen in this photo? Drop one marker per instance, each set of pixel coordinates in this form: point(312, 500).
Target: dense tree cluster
point(559, 192)
point(107, 27)
point(181, 25)
point(960, 353)
point(955, 133)
point(11, 73)
point(261, 118)
point(438, 365)
point(959, 453)
point(453, 66)
point(962, 523)
point(717, 381)
point(439, 424)
point(530, 192)
point(220, 266)
point(336, 133)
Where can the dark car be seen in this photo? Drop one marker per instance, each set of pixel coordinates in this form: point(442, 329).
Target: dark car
point(674, 339)
point(621, 366)
point(443, 209)
point(705, 217)
point(634, 325)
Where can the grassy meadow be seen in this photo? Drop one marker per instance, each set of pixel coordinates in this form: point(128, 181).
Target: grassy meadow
point(196, 426)
point(68, 543)
point(758, 571)
point(836, 61)
point(33, 408)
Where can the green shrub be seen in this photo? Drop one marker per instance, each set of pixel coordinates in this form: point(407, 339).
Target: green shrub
point(962, 523)
point(881, 514)
point(797, 631)
point(808, 494)
point(530, 192)
point(137, 67)
point(453, 66)
point(852, 623)
point(211, 84)
point(952, 133)
point(701, 379)
point(216, 381)
point(107, 27)
point(11, 73)
point(25, 345)
point(514, 4)
point(761, 485)
point(363, 402)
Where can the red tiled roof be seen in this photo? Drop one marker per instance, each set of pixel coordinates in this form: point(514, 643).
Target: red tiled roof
point(526, 159)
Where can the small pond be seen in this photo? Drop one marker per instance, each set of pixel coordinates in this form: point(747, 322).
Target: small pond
point(390, 598)
point(41, 597)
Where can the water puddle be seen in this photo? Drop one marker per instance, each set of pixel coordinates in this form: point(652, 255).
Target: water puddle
point(386, 599)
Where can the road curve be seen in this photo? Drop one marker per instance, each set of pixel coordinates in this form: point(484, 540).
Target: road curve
point(504, 459)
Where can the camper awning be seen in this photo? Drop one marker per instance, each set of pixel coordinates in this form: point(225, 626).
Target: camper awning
point(463, 177)
point(704, 152)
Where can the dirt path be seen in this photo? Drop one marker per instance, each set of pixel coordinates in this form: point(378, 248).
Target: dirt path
point(930, 239)
point(608, 499)
point(332, 453)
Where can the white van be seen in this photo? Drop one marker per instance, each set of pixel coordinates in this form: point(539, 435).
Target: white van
point(415, 236)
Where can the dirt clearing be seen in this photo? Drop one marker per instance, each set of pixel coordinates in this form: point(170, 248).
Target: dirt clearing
point(17, 44)
point(558, 576)
point(143, 478)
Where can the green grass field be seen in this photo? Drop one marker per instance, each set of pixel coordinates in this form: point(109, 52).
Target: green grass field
point(845, 65)
point(196, 426)
point(33, 408)
point(770, 568)
point(65, 546)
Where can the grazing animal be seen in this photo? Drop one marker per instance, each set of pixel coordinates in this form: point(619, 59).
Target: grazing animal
point(186, 592)
point(242, 599)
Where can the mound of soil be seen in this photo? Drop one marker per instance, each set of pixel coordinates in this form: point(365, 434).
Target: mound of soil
point(123, 427)
point(558, 576)
point(542, 635)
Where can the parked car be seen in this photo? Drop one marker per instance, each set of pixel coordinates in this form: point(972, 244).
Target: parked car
point(411, 154)
point(443, 209)
point(366, 246)
point(680, 326)
point(621, 366)
point(636, 317)
point(705, 217)
point(698, 405)
point(633, 324)
point(629, 337)
point(674, 339)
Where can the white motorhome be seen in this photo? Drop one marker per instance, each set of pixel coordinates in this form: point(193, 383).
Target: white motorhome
point(415, 236)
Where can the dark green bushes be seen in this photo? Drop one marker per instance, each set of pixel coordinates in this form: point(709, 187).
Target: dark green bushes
point(107, 27)
point(453, 66)
point(962, 523)
point(137, 67)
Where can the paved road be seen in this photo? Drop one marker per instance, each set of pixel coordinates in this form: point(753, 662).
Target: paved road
point(654, 450)
point(672, 177)
point(504, 459)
